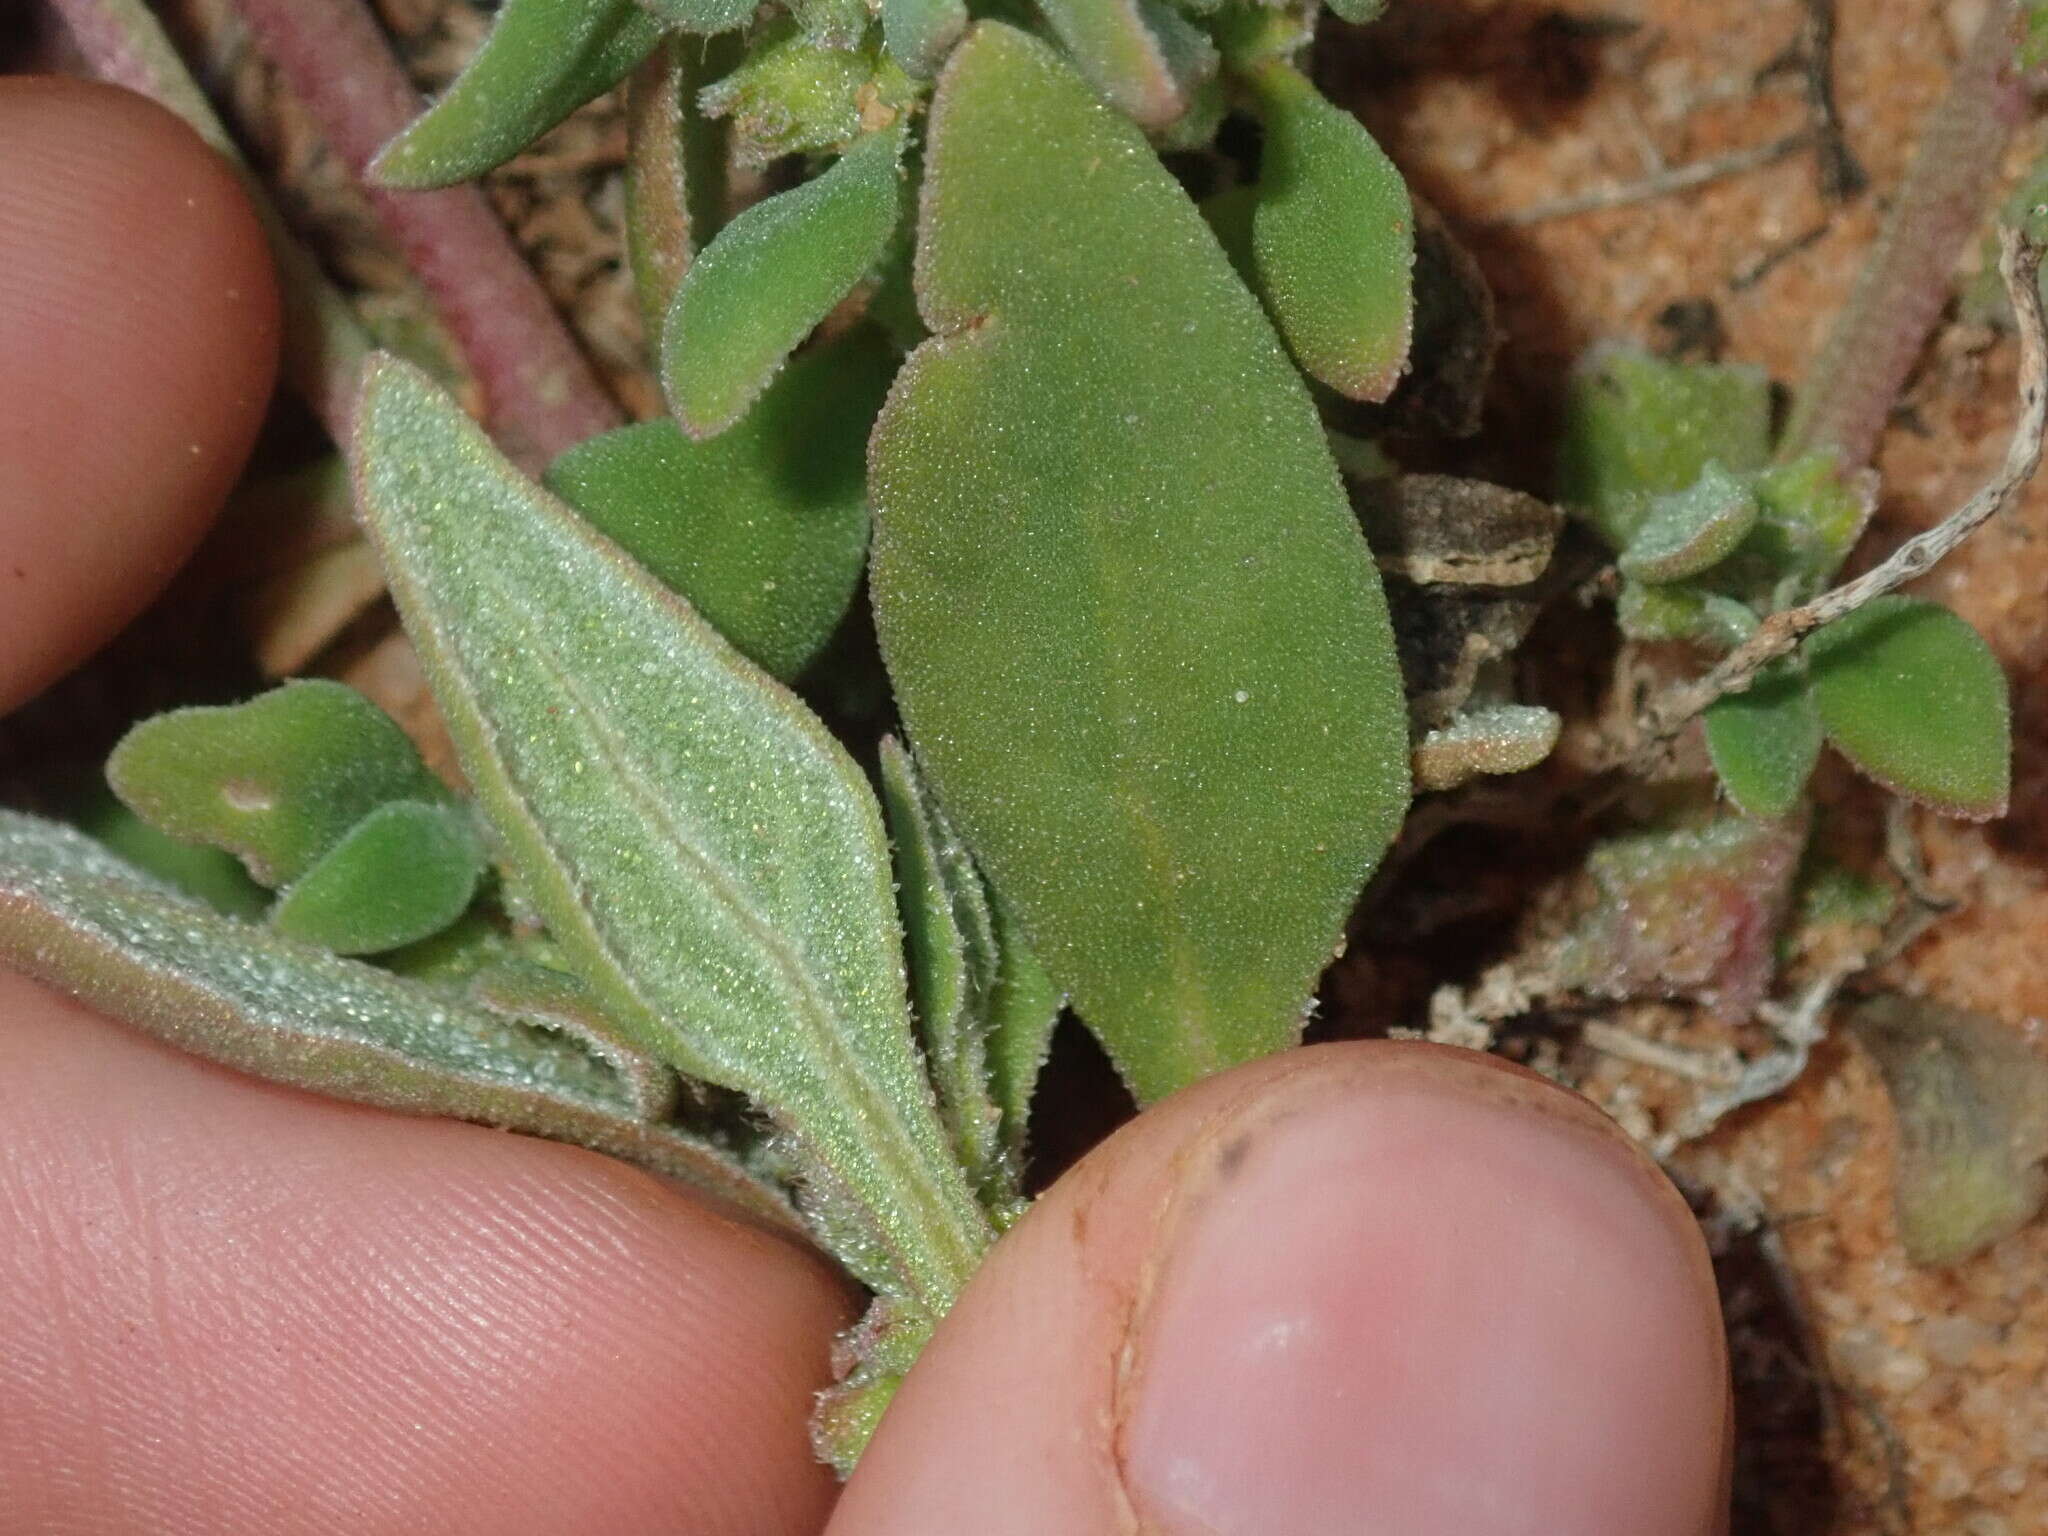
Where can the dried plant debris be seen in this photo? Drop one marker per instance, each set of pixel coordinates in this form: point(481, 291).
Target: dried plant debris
point(1971, 1096)
point(1686, 913)
point(1464, 563)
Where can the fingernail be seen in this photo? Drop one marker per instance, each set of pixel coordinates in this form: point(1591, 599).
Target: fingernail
point(1445, 1309)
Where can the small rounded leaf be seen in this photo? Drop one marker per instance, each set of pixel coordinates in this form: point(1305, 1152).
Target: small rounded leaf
point(405, 871)
point(1764, 742)
point(1334, 238)
point(1693, 530)
point(769, 277)
point(1913, 697)
point(276, 781)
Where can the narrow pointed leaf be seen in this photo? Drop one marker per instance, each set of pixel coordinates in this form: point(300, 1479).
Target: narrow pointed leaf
point(1334, 239)
point(771, 275)
point(763, 528)
point(918, 33)
point(1913, 697)
point(947, 929)
point(405, 871)
point(1764, 741)
point(675, 176)
point(542, 60)
point(276, 781)
point(1121, 56)
point(1023, 1010)
point(708, 860)
point(1137, 637)
point(1690, 531)
point(78, 919)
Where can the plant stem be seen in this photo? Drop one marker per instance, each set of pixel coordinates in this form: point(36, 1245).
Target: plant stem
point(2019, 264)
point(324, 343)
point(1904, 284)
point(541, 394)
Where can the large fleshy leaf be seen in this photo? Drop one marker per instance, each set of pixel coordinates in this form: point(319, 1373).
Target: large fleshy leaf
point(75, 917)
point(1764, 741)
point(542, 60)
point(1333, 237)
point(764, 528)
point(1913, 697)
point(709, 861)
point(769, 277)
point(276, 781)
point(1138, 639)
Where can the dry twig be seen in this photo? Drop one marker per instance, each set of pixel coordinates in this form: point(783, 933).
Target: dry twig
point(1668, 713)
point(1663, 183)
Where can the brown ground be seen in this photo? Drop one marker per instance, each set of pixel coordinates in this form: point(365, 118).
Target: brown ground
point(1872, 1396)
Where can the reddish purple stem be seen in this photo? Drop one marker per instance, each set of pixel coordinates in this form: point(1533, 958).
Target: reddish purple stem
point(540, 393)
point(1905, 281)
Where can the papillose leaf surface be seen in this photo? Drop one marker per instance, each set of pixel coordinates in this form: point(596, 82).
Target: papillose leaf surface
point(541, 61)
point(1138, 639)
point(276, 781)
point(763, 528)
point(1912, 695)
point(404, 872)
point(78, 919)
point(707, 858)
point(769, 277)
point(1764, 741)
point(1333, 236)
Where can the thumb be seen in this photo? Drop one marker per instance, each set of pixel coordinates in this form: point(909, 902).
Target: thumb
point(1356, 1288)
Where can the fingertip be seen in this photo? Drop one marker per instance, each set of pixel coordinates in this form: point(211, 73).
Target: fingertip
point(139, 318)
point(231, 1307)
point(1356, 1281)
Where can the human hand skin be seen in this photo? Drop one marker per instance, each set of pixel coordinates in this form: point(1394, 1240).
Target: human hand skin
point(1362, 1288)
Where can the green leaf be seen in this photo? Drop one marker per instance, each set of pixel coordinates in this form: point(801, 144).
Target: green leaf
point(675, 174)
point(1024, 1008)
point(1137, 637)
point(1765, 740)
point(764, 528)
point(1913, 697)
point(919, 33)
point(542, 60)
point(1334, 239)
point(76, 918)
point(1637, 427)
point(1683, 611)
point(708, 860)
point(404, 872)
point(276, 781)
point(949, 934)
point(215, 877)
point(771, 275)
point(831, 23)
point(1358, 12)
point(1122, 56)
point(521, 988)
point(791, 96)
point(1686, 532)
point(703, 16)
